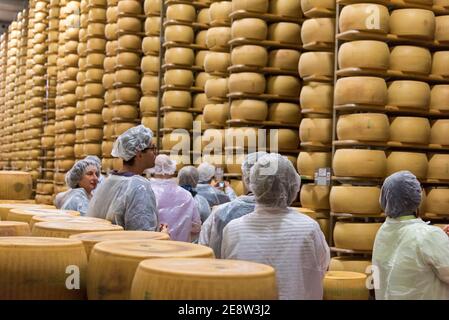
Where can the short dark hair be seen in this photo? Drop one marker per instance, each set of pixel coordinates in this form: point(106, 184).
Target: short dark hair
point(130, 162)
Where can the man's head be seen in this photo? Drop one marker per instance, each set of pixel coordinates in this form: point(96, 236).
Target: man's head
point(248, 162)
point(188, 176)
point(274, 181)
point(206, 172)
point(400, 194)
point(136, 148)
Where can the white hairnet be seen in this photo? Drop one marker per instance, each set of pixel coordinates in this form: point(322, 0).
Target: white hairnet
point(274, 181)
point(163, 165)
point(400, 194)
point(94, 159)
point(248, 163)
point(74, 175)
point(206, 172)
point(188, 176)
point(131, 141)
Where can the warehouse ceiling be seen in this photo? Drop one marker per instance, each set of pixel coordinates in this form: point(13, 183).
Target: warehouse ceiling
point(8, 11)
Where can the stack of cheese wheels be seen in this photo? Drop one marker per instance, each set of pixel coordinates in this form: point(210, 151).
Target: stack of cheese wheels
point(16, 185)
point(68, 63)
point(119, 259)
point(437, 201)
point(95, 84)
point(360, 163)
point(6, 207)
point(356, 200)
point(14, 229)
point(414, 162)
point(353, 264)
point(4, 148)
point(150, 61)
point(345, 285)
point(90, 239)
point(64, 229)
point(355, 235)
point(439, 133)
point(109, 64)
point(46, 260)
point(84, 60)
point(27, 214)
point(128, 84)
point(189, 278)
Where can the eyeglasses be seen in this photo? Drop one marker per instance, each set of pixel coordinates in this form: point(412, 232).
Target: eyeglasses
point(152, 148)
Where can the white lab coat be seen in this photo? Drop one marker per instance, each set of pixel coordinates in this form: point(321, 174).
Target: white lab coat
point(292, 243)
point(73, 199)
point(413, 261)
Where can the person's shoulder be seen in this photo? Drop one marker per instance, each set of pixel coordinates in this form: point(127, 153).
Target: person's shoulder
point(235, 223)
point(184, 193)
point(137, 179)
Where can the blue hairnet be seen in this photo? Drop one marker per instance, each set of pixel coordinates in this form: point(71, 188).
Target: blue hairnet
point(76, 173)
point(274, 181)
point(132, 141)
point(206, 172)
point(400, 194)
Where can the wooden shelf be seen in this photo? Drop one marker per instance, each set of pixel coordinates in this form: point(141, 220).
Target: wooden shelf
point(268, 17)
point(173, 87)
point(264, 70)
point(271, 124)
point(170, 66)
point(320, 13)
point(357, 216)
point(319, 46)
point(349, 251)
point(264, 43)
point(263, 96)
point(401, 4)
point(195, 25)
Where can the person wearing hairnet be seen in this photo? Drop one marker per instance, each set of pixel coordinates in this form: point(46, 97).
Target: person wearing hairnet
point(411, 257)
point(176, 207)
point(98, 162)
point(213, 195)
point(125, 197)
point(188, 179)
point(82, 179)
point(274, 234)
point(212, 230)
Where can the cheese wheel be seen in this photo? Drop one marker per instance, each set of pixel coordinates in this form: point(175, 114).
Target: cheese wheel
point(216, 114)
point(179, 33)
point(247, 82)
point(203, 16)
point(318, 30)
point(359, 163)
point(129, 24)
point(125, 112)
point(110, 31)
point(317, 96)
point(414, 162)
point(316, 64)
point(179, 77)
point(363, 127)
point(440, 63)
point(243, 137)
point(176, 140)
point(129, 7)
point(284, 59)
point(14, 229)
point(415, 23)
point(152, 7)
point(286, 8)
point(112, 14)
point(410, 59)
point(366, 54)
point(256, 281)
point(287, 86)
point(94, 74)
point(249, 55)
point(129, 42)
point(53, 256)
point(201, 79)
point(284, 112)
point(345, 285)
point(253, 110)
point(285, 32)
point(181, 12)
point(308, 162)
point(128, 94)
point(151, 45)
point(219, 11)
point(217, 38)
point(361, 90)
point(201, 38)
point(315, 197)
point(26, 214)
point(355, 236)
point(438, 201)
point(64, 229)
point(287, 139)
point(364, 17)
point(439, 97)
point(200, 57)
point(217, 62)
point(182, 56)
point(175, 98)
point(439, 133)
point(150, 64)
point(438, 167)
point(149, 85)
point(352, 264)
point(216, 88)
point(409, 94)
point(119, 259)
point(90, 239)
point(178, 120)
point(259, 6)
point(150, 122)
point(410, 130)
point(127, 76)
point(316, 130)
point(355, 200)
point(249, 28)
point(153, 26)
point(311, 5)
point(15, 185)
point(93, 134)
point(441, 28)
point(237, 186)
